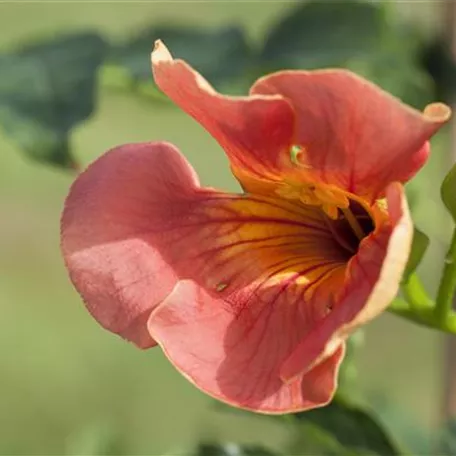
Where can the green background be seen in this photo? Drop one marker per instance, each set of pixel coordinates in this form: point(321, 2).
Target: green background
point(64, 380)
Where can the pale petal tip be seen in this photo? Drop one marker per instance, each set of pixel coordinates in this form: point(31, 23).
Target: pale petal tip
point(437, 112)
point(160, 52)
point(157, 45)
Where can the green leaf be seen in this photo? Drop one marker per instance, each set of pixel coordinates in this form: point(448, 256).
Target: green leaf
point(396, 72)
point(437, 60)
point(420, 244)
point(448, 192)
point(395, 63)
point(46, 90)
point(231, 449)
point(359, 36)
point(318, 34)
point(310, 439)
point(340, 429)
point(220, 55)
point(352, 427)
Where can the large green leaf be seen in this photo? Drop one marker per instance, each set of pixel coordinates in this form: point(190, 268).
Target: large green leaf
point(352, 426)
point(360, 36)
point(448, 192)
point(220, 55)
point(320, 33)
point(311, 439)
point(397, 73)
point(340, 429)
point(437, 60)
point(46, 90)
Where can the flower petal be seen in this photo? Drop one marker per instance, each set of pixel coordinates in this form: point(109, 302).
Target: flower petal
point(120, 276)
point(352, 133)
point(235, 355)
point(373, 278)
point(136, 222)
point(254, 131)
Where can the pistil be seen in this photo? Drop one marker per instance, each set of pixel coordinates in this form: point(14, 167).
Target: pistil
point(353, 222)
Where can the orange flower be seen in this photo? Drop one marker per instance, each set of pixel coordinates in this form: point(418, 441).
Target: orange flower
point(252, 296)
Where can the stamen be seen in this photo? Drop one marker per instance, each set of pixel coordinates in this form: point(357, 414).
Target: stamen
point(354, 224)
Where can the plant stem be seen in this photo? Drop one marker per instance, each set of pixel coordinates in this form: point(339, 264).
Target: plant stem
point(424, 316)
point(415, 293)
point(444, 302)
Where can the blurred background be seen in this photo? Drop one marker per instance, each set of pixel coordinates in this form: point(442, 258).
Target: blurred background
point(66, 385)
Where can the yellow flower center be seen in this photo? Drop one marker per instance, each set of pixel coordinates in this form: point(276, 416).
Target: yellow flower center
point(329, 197)
point(333, 201)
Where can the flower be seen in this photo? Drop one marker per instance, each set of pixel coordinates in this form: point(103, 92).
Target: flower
point(252, 296)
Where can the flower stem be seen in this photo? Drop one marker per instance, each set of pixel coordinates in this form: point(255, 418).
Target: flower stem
point(424, 316)
point(415, 293)
point(402, 308)
point(444, 302)
point(418, 307)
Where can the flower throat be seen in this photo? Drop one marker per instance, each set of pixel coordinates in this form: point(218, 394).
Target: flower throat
point(351, 226)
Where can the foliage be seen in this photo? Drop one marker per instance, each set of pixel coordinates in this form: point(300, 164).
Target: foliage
point(220, 55)
point(352, 426)
point(340, 428)
point(322, 34)
point(48, 89)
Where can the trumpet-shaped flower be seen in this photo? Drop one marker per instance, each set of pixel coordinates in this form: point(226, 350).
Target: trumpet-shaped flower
point(251, 296)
